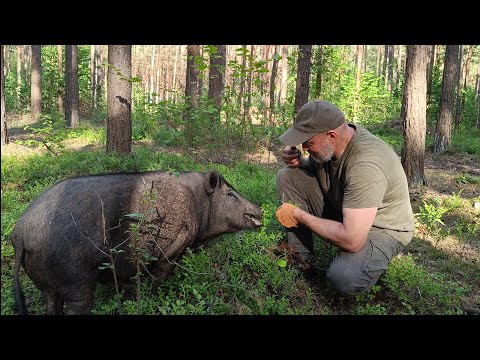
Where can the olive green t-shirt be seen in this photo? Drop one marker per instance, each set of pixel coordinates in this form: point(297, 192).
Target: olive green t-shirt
point(369, 174)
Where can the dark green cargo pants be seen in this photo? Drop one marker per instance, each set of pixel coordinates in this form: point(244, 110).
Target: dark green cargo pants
point(349, 273)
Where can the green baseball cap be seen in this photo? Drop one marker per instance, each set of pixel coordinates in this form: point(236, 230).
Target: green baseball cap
point(314, 117)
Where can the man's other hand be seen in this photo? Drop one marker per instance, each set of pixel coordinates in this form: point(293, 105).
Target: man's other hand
point(291, 156)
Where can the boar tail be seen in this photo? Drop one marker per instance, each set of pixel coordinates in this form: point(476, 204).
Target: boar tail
point(17, 287)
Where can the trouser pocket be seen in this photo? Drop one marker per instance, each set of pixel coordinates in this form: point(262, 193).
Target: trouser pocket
point(381, 249)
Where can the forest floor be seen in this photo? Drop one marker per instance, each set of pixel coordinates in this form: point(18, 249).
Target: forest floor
point(446, 175)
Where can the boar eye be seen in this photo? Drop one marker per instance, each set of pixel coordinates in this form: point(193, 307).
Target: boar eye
point(232, 195)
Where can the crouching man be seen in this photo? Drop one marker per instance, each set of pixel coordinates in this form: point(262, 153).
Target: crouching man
point(351, 190)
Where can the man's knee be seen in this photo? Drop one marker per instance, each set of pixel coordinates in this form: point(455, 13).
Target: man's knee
point(348, 282)
point(285, 176)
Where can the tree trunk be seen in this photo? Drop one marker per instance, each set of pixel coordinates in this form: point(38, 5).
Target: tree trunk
point(93, 79)
point(26, 62)
point(200, 76)
point(242, 81)
point(272, 82)
point(399, 66)
point(283, 91)
point(467, 73)
point(458, 114)
point(391, 57)
point(477, 95)
point(98, 76)
point(191, 91)
point(385, 61)
point(158, 75)
point(119, 121)
point(152, 71)
point(174, 85)
point(365, 47)
point(443, 130)
point(71, 86)
point(3, 118)
point(467, 66)
point(168, 75)
point(415, 114)
point(251, 61)
point(19, 72)
point(379, 59)
point(431, 66)
point(359, 62)
point(318, 79)
point(6, 54)
point(358, 77)
point(216, 75)
point(36, 86)
point(303, 76)
point(60, 89)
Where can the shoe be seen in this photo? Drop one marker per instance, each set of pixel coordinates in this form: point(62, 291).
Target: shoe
point(302, 261)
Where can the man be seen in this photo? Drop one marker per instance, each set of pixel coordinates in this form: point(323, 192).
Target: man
point(351, 190)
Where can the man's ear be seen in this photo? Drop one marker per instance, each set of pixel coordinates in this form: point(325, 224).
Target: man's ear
point(332, 135)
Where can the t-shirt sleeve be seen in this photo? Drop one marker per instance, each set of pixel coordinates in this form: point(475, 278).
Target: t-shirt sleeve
point(365, 186)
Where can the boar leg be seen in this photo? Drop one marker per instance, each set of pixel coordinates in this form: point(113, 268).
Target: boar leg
point(53, 301)
point(79, 299)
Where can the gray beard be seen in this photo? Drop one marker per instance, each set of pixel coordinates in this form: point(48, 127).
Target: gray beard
point(327, 151)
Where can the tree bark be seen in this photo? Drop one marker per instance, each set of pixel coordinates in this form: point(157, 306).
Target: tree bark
point(242, 80)
point(415, 114)
point(477, 95)
point(191, 91)
point(399, 66)
point(359, 63)
point(358, 77)
point(60, 89)
point(216, 84)
point(443, 130)
point(19, 72)
point(98, 77)
point(458, 113)
point(71, 86)
point(365, 48)
point(318, 79)
point(303, 76)
point(3, 118)
point(283, 91)
point(391, 53)
point(174, 82)
point(431, 65)
point(251, 61)
point(93, 80)
point(385, 61)
point(379, 59)
point(36, 86)
point(26, 62)
point(119, 121)
point(152, 71)
point(272, 82)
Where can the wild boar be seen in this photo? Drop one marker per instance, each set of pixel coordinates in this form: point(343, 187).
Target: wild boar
point(69, 230)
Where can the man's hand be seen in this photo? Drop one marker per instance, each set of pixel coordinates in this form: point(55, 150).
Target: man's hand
point(291, 156)
point(285, 216)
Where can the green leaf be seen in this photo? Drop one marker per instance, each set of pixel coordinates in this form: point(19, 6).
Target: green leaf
point(137, 216)
point(282, 263)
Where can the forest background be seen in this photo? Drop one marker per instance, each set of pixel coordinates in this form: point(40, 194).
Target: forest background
point(194, 107)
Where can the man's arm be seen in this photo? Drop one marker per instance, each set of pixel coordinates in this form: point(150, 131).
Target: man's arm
point(349, 236)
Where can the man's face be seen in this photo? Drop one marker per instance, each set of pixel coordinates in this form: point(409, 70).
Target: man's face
point(320, 147)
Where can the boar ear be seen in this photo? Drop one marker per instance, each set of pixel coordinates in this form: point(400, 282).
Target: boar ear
point(212, 181)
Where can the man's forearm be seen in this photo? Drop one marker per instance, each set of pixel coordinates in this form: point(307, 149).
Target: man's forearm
point(332, 231)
